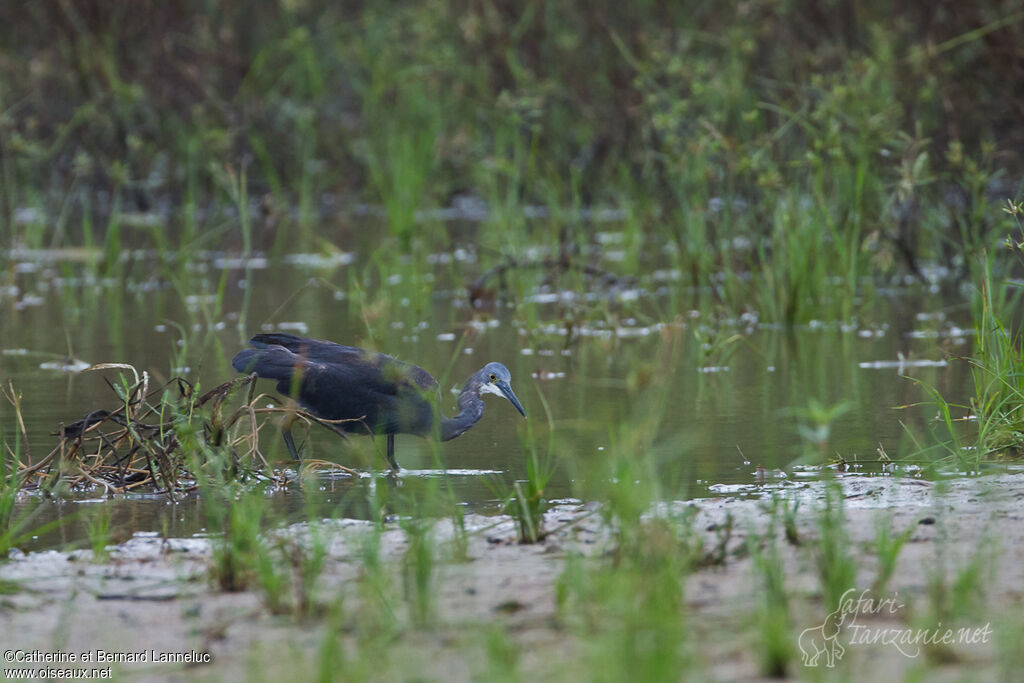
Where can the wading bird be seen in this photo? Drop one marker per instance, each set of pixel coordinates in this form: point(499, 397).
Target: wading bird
point(376, 393)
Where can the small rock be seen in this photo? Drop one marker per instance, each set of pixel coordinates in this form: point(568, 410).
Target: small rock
point(510, 606)
point(926, 520)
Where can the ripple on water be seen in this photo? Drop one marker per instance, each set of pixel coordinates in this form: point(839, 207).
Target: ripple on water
point(445, 473)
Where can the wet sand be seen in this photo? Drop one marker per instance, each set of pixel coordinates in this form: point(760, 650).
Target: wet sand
point(151, 598)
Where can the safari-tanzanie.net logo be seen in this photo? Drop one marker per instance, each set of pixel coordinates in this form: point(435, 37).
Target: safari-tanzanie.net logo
point(826, 643)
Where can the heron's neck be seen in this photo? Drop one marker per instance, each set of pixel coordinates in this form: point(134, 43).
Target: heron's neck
point(471, 409)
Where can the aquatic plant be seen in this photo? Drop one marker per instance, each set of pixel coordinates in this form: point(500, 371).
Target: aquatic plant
point(991, 425)
point(527, 502)
point(998, 371)
point(773, 625)
point(240, 554)
point(419, 569)
point(887, 547)
point(98, 530)
point(837, 569)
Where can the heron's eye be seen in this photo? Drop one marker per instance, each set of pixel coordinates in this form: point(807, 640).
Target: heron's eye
point(493, 377)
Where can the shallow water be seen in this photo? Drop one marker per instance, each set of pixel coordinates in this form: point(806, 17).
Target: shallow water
point(724, 396)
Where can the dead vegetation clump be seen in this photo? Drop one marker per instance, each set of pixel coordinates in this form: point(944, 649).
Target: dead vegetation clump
point(157, 440)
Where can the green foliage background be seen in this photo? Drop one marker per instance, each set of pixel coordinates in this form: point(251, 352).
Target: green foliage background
point(593, 101)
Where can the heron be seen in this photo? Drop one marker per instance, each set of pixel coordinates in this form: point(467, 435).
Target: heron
point(372, 392)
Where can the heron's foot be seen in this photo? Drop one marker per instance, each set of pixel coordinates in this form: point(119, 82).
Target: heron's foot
point(389, 454)
point(393, 479)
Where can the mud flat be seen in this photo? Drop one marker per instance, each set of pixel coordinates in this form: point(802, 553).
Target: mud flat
point(150, 612)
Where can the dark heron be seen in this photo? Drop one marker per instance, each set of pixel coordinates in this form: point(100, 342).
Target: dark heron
point(375, 392)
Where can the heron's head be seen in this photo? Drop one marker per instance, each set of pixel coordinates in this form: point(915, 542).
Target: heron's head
point(495, 379)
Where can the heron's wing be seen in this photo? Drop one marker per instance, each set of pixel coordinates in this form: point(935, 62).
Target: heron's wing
point(346, 383)
point(392, 371)
point(314, 349)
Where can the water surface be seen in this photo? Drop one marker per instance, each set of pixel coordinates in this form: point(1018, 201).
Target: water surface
point(725, 397)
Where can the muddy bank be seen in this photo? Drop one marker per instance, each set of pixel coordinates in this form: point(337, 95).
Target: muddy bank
point(152, 597)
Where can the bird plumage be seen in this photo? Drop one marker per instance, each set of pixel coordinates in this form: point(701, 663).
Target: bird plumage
point(377, 393)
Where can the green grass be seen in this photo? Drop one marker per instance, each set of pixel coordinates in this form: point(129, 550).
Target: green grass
point(774, 631)
point(527, 501)
point(791, 172)
point(303, 559)
point(629, 614)
point(837, 568)
point(11, 523)
point(887, 547)
point(419, 570)
point(19, 519)
point(240, 556)
point(998, 371)
point(989, 426)
point(98, 530)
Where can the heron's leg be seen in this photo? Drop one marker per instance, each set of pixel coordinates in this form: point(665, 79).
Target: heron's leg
point(286, 433)
point(391, 453)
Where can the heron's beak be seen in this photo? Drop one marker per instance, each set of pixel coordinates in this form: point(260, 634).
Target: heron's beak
point(506, 390)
